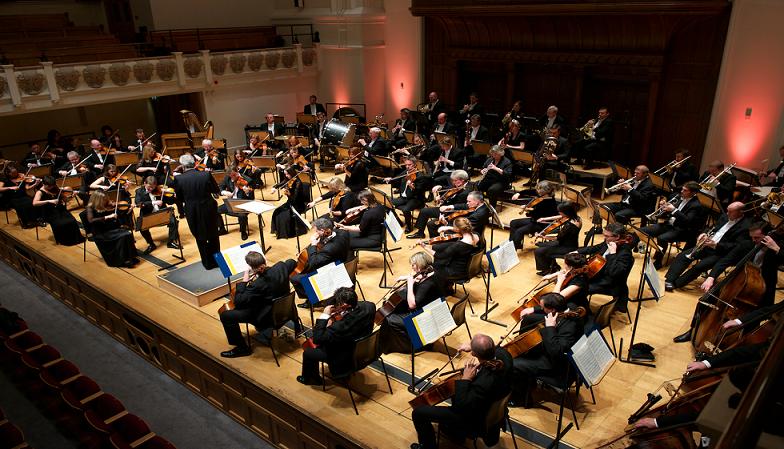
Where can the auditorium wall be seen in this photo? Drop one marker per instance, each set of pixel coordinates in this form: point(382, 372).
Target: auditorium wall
point(81, 13)
point(176, 14)
point(751, 77)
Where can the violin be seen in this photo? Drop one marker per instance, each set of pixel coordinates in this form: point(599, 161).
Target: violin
point(352, 217)
point(103, 151)
point(119, 180)
point(440, 239)
point(456, 214)
point(336, 199)
point(241, 182)
point(448, 194)
point(551, 227)
point(163, 192)
point(161, 157)
point(25, 179)
point(352, 160)
point(123, 206)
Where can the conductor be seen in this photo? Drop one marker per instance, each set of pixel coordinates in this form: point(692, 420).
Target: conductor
point(195, 188)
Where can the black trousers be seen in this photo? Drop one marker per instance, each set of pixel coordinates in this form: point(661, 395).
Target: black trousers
point(243, 219)
point(407, 206)
point(231, 320)
point(172, 232)
point(425, 416)
point(618, 290)
point(492, 190)
point(310, 362)
point(208, 247)
point(370, 241)
point(679, 274)
point(519, 227)
point(622, 211)
point(425, 215)
point(547, 252)
point(666, 234)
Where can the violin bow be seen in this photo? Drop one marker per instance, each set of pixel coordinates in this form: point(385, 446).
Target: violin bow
point(427, 379)
point(141, 145)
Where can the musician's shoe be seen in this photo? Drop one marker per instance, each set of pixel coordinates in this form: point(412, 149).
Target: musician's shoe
point(542, 272)
point(683, 338)
point(149, 249)
point(222, 232)
point(416, 235)
point(239, 351)
point(173, 245)
point(621, 308)
point(658, 260)
point(304, 305)
point(244, 235)
point(310, 380)
point(668, 287)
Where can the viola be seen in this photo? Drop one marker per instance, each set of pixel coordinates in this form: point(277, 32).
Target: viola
point(448, 194)
point(551, 227)
point(532, 204)
point(241, 182)
point(352, 217)
point(336, 199)
point(455, 214)
point(163, 191)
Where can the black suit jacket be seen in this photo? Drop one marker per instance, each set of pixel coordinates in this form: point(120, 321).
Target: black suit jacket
point(195, 189)
point(769, 269)
point(337, 248)
point(473, 398)
point(456, 155)
point(725, 188)
point(559, 120)
point(319, 108)
point(277, 128)
point(482, 135)
point(478, 218)
point(449, 128)
point(258, 294)
point(559, 339)
point(338, 339)
point(605, 132)
point(228, 185)
point(378, 147)
point(684, 173)
point(435, 110)
point(692, 217)
point(736, 234)
point(143, 201)
point(477, 109)
point(779, 180)
point(617, 266)
point(643, 197)
point(94, 159)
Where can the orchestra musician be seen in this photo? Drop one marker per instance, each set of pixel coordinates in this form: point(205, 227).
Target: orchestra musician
point(340, 197)
point(327, 245)
point(293, 158)
point(314, 107)
point(51, 201)
point(235, 187)
point(484, 380)
point(497, 174)
point(318, 129)
point(356, 170)
point(369, 233)
point(73, 168)
point(684, 172)
point(565, 242)
point(211, 158)
point(37, 157)
point(422, 286)
point(149, 199)
point(404, 123)
point(377, 146)
point(274, 129)
point(450, 158)
point(548, 359)
point(140, 138)
point(195, 189)
point(638, 196)
point(474, 132)
point(613, 278)
point(473, 108)
point(152, 164)
point(118, 186)
point(255, 147)
point(334, 334)
point(513, 140)
point(599, 145)
point(452, 258)
point(682, 222)
point(775, 176)
point(457, 194)
point(726, 186)
point(474, 209)
point(433, 109)
point(514, 115)
point(110, 138)
point(768, 259)
point(252, 300)
point(570, 283)
point(284, 223)
point(14, 187)
point(730, 229)
point(245, 167)
point(412, 191)
point(99, 157)
point(544, 206)
point(552, 118)
point(442, 126)
point(115, 243)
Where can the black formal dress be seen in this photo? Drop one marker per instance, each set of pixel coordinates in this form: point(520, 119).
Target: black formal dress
point(679, 274)
point(371, 229)
point(394, 337)
point(639, 201)
point(335, 249)
point(565, 242)
point(284, 223)
point(494, 183)
point(115, 243)
point(613, 278)
point(253, 301)
point(451, 259)
point(144, 201)
point(411, 197)
point(64, 226)
point(336, 341)
point(195, 189)
point(519, 227)
point(357, 178)
point(470, 406)
point(346, 201)
point(21, 203)
point(159, 172)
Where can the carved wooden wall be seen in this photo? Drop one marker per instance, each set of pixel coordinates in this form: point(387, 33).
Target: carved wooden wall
point(654, 63)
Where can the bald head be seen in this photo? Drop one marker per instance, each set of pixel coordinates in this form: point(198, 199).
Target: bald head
point(735, 210)
point(483, 347)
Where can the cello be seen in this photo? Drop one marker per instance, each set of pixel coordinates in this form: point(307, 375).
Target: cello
point(532, 337)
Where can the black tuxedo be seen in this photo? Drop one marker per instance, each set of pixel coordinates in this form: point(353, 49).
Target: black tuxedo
point(378, 147)
point(456, 155)
point(613, 278)
point(482, 135)
point(476, 109)
point(335, 249)
point(195, 189)
point(447, 128)
point(637, 202)
point(470, 405)
point(253, 301)
point(685, 227)
point(277, 129)
point(336, 341)
point(724, 189)
point(479, 219)
point(96, 159)
point(431, 213)
point(559, 120)
point(319, 108)
point(684, 173)
point(435, 109)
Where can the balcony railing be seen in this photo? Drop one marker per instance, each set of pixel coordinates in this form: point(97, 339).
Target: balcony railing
point(29, 88)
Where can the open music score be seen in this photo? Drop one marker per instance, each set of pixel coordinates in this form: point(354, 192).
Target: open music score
point(322, 284)
point(431, 323)
point(502, 258)
point(231, 261)
point(592, 357)
point(393, 226)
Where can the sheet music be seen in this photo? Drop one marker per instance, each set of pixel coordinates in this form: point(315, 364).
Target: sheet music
point(302, 219)
point(592, 357)
point(393, 226)
point(256, 207)
point(434, 321)
point(234, 258)
point(503, 258)
point(328, 279)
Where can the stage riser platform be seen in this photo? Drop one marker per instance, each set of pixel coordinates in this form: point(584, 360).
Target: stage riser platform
point(278, 422)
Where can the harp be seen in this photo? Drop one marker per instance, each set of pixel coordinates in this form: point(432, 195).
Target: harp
point(195, 132)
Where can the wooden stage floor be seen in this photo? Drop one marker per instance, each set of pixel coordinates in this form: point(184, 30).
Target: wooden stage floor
point(384, 420)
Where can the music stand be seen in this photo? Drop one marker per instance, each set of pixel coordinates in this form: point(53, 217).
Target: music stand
point(305, 119)
point(409, 135)
point(162, 218)
point(621, 171)
point(649, 242)
point(494, 219)
point(440, 137)
point(710, 202)
point(71, 181)
point(218, 176)
point(774, 218)
point(231, 206)
point(480, 147)
point(660, 183)
point(387, 162)
point(40, 171)
point(522, 156)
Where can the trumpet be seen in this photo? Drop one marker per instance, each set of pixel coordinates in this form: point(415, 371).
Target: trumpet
point(712, 181)
point(654, 216)
point(700, 244)
point(671, 166)
point(616, 187)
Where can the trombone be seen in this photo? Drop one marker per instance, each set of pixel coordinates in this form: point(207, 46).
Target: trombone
point(712, 181)
point(671, 166)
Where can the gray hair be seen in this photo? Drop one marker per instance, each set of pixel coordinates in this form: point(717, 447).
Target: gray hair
point(497, 149)
point(553, 108)
point(544, 187)
point(324, 223)
point(206, 142)
point(187, 161)
point(375, 129)
point(72, 153)
point(476, 195)
point(459, 174)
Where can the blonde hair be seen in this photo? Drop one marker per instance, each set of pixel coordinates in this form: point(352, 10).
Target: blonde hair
point(98, 201)
point(336, 184)
point(463, 225)
point(421, 260)
point(147, 152)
